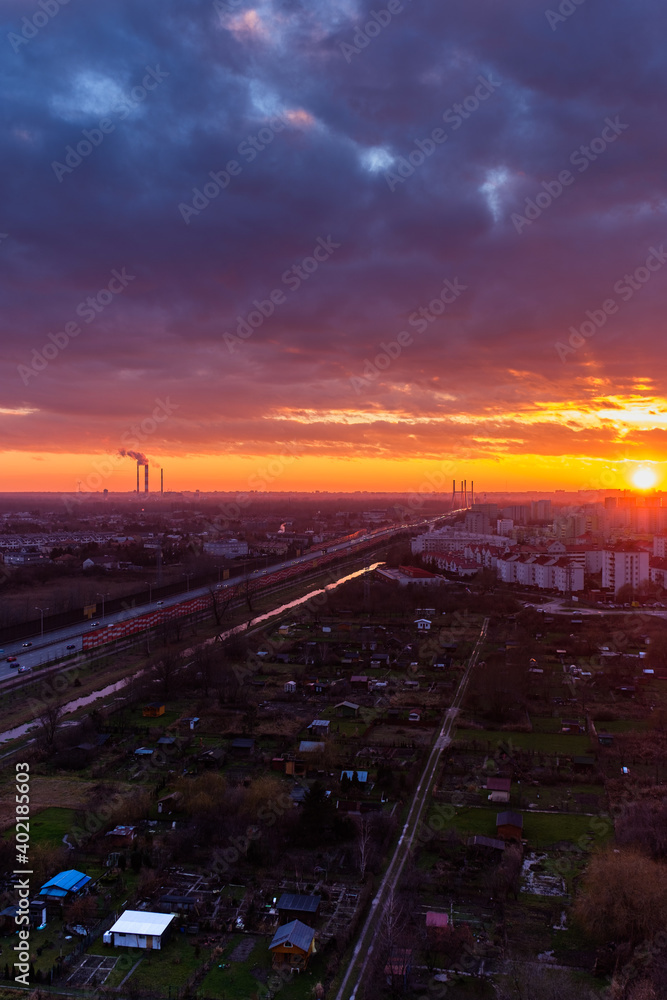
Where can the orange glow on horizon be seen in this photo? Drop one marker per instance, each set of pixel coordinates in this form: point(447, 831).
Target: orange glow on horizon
point(291, 472)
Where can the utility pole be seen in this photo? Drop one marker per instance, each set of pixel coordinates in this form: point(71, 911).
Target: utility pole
point(41, 611)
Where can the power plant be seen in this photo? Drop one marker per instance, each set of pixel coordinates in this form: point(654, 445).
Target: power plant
point(145, 465)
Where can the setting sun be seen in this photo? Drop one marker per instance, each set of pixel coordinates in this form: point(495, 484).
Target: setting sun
point(644, 478)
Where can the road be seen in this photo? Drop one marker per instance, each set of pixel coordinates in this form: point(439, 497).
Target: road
point(363, 952)
point(52, 646)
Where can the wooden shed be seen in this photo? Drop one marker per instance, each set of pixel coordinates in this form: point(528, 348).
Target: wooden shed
point(509, 826)
point(153, 709)
point(292, 946)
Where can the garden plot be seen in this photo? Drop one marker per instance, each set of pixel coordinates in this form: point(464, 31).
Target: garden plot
point(536, 880)
point(93, 970)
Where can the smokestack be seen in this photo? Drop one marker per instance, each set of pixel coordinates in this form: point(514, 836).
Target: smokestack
point(453, 493)
point(161, 480)
point(472, 492)
point(138, 464)
point(145, 478)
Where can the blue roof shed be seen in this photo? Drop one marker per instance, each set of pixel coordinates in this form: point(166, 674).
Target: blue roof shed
point(61, 885)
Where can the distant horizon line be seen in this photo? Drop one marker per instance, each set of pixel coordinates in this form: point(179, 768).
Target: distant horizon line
point(234, 492)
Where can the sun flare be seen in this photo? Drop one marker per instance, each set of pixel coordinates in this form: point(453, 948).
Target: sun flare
point(644, 478)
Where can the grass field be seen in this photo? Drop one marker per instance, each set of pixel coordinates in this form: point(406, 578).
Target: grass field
point(51, 825)
point(541, 830)
point(237, 982)
point(552, 743)
point(171, 967)
point(545, 724)
point(622, 726)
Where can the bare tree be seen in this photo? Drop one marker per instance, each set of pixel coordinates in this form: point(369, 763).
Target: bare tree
point(623, 897)
point(364, 845)
point(506, 875)
point(49, 720)
point(165, 668)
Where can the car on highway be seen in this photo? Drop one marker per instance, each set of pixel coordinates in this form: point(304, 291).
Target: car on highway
point(94, 624)
point(14, 664)
point(71, 646)
point(24, 670)
point(159, 602)
point(26, 644)
point(11, 659)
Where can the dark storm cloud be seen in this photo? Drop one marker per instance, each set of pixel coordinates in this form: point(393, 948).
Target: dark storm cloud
point(275, 75)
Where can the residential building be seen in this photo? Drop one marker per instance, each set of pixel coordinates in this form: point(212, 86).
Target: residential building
point(622, 566)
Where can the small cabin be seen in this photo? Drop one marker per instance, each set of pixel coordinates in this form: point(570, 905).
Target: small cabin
point(292, 946)
point(292, 906)
point(153, 710)
point(347, 710)
point(509, 826)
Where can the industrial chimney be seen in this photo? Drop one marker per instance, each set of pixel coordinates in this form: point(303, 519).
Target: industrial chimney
point(146, 478)
point(138, 466)
point(161, 480)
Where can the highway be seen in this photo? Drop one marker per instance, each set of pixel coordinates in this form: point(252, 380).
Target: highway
point(363, 955)
point(53, 645)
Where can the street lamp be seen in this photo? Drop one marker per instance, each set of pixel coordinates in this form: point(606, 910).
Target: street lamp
point(188, 577)
point(150, 591)
point(41, 611)
point(103, 597)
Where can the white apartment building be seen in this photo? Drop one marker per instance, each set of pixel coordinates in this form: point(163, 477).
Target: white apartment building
point(230, 548)
point(448, 540)
point(545, 572)
point(660, 546)
point(621, 566)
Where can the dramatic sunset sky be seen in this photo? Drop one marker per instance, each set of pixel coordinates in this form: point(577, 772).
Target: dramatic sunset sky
point(323, 108)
